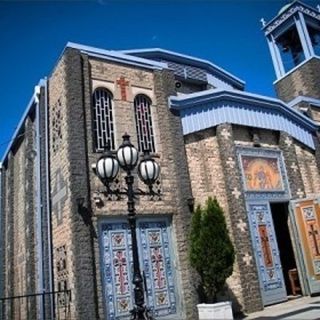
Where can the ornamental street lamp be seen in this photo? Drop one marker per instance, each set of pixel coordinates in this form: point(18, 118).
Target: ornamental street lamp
point(107, 169)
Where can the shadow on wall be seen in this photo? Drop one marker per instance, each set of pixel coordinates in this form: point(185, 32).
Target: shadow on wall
point(236, 306)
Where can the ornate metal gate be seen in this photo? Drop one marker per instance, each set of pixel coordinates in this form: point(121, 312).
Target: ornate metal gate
point(156, 264)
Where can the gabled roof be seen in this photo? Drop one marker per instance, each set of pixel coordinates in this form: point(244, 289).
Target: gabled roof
point(118, 56)
point(210, 108)
point(157, 53)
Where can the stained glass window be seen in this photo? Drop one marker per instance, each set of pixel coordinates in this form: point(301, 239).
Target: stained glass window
point(142, 108)
point(103, 124)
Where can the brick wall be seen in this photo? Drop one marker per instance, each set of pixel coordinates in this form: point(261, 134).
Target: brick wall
point(170, 154)
point(304, 81)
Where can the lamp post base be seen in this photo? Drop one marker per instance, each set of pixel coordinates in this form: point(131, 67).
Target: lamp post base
point(140, 313)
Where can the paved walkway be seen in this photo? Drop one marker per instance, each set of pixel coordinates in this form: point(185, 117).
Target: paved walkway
point(301, 308)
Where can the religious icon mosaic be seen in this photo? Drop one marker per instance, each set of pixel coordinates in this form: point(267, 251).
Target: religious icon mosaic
point(156, 267)
point(261, 173)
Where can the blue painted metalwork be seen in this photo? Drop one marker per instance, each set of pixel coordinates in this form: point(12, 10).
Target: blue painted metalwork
point(314, 102)
point(289, 11)
point(294, 13)
point(210, 108)
point(31, 107)
point(116, 261)
point(157, 54)
point(116, 56)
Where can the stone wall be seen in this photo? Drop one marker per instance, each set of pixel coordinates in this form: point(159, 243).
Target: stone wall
point(73, 256)
point(170, 153)
point(304, 81)
point(214, 172)
point(307, 166)
point(18, 225)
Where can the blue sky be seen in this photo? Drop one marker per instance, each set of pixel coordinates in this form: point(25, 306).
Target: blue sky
point(33, 34)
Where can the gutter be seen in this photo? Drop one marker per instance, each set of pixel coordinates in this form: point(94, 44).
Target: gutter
point(47, 200)
point(39, 205)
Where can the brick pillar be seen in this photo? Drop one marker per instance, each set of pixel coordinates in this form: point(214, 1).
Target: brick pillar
point(30, 209)
point(248, 274)
point(174, 157)
point(316, 140)
point(82, 252)
point(292, 166)
point(10, 243)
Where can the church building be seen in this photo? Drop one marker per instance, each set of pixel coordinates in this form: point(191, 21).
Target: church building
point(66, 249)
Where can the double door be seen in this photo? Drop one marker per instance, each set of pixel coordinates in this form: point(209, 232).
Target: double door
point(305, 237)
point(156, 265)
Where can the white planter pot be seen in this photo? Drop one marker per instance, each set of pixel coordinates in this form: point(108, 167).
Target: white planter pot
point(221, 310)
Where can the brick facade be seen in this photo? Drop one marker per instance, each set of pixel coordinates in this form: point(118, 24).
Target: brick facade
point(67, 206)
point(303, 81)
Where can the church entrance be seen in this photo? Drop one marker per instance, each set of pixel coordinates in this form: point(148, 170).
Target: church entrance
point(156, 263)
point(280, 217)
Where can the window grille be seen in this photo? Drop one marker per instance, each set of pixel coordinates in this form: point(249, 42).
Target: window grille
point(142, 109)
point(103, 124)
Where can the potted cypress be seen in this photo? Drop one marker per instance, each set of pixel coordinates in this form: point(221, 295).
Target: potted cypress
point(212, 256)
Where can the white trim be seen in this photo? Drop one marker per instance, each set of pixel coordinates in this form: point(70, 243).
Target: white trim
point(295, 101)
point(296, 67)
point(117, 56)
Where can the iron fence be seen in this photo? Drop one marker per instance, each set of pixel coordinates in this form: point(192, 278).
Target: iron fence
point(38, 306)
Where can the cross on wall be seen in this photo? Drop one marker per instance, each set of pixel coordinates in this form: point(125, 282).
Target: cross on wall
point(123, 84)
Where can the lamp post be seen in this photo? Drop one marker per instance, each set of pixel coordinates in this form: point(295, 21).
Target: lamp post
point(107, 168)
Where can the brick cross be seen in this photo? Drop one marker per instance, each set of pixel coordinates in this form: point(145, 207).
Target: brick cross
point(247, 259)
point(230, 162)
point(123, 83)
point(242, 225)
point(288, 141)
point(225, 133)
point(236, 193)
point(294, 167)
point(60, 195)
point(300, 193)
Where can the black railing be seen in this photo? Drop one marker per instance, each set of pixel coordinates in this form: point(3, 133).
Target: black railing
point(43, 306)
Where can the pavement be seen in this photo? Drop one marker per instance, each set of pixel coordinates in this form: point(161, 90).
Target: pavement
point(296, 308)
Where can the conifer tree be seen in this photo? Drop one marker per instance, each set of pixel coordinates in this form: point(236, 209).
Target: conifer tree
point(211, 250)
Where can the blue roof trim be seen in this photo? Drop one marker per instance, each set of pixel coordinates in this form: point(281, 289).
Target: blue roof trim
point(117, 56)
point(185, 59)
point(28, 110)
point(283, 16)
point(203, 110)
point(299, 99)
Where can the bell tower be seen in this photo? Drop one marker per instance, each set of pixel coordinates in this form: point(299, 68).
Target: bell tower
point(294, 41)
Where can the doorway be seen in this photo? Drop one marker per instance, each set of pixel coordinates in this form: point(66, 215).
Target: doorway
point(280, 216)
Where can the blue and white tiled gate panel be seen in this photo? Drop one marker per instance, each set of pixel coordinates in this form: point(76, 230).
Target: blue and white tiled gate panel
point(156, 265)
point(266, 253)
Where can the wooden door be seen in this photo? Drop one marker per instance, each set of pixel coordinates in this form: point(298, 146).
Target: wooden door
point(156, 265)
point(266, 251)
point(305, 215)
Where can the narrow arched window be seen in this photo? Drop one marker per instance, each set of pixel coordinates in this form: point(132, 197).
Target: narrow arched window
point(103, 124)
point(142, 109)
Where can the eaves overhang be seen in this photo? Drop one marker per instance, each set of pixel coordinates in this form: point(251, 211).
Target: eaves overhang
point(117, 56)
point(18, 132)
point(210, 108)
point(287, 13)
point(153, 53)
